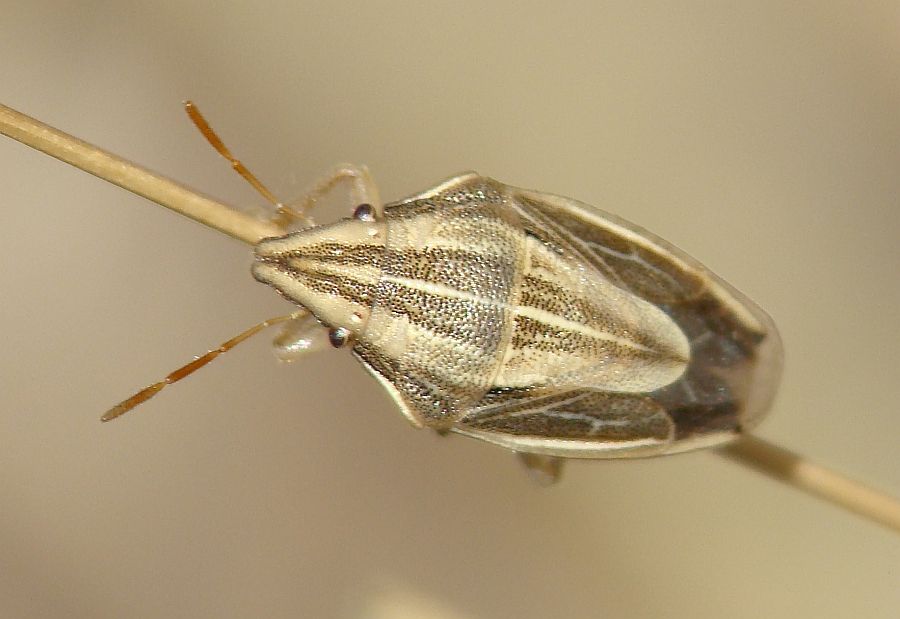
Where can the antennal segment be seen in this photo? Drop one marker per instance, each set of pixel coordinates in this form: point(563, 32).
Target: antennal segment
point(189, 368)
point(216, 142)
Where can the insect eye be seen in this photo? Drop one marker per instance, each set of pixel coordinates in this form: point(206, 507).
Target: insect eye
point(364, 212)
point(338, 337)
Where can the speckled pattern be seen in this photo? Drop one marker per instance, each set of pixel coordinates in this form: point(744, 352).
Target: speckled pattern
point(535, 322)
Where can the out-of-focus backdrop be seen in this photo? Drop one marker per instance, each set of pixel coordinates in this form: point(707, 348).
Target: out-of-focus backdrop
point(763, 138)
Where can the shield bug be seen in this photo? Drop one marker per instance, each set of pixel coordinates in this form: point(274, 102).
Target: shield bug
point(524, 319)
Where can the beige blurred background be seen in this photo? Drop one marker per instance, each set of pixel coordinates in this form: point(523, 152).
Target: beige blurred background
point(762, 138)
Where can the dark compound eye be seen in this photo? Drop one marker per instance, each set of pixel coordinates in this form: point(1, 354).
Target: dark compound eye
point(364, 212)
point(338, 337)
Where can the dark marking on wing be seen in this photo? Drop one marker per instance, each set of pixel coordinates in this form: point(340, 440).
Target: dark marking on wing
point(582, 415)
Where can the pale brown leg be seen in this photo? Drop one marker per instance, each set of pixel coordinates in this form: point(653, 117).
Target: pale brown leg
point(362, 186)
point(299, 338)
point(544, 470)
point(186, 370)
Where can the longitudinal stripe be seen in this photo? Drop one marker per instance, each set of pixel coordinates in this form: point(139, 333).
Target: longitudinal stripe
point(464, 319)
point(540, 293)
point(367, 275)
point(475, 363)
point(340, 254)
point(353, 291)
point(488, 240)
point(485, 275)
point(554, 340)
point(542, 316)
point(333, 279)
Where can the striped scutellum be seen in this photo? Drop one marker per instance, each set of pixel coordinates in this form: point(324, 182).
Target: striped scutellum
point(533, 321)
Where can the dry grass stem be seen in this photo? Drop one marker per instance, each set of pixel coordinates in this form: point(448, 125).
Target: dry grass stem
point(784, 465)
point(134, 178)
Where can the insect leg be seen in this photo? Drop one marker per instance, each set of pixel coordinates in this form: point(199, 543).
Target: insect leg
point(544, 470)
point(363, 190)
point(300, 337)
point(189, 368)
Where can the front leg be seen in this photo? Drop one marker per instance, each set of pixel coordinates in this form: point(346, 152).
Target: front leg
point(289, 219)
point(300, 336)
point(362, 191)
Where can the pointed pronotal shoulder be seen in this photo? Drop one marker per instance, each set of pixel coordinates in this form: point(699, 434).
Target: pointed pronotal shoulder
point(454, 182)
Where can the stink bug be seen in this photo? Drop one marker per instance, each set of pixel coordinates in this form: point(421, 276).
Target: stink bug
point(523, 319)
